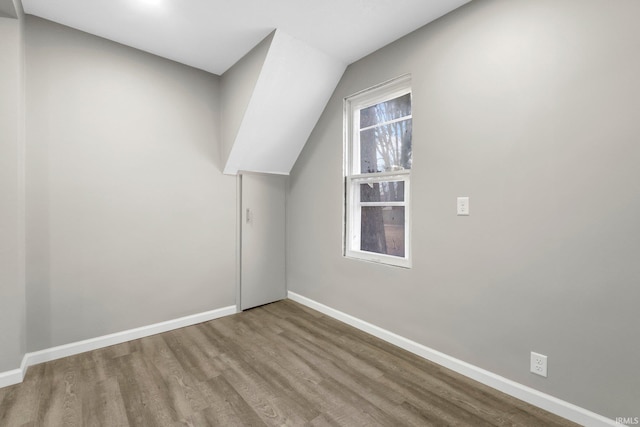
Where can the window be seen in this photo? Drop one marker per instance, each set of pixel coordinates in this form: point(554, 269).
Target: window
point(378, 128)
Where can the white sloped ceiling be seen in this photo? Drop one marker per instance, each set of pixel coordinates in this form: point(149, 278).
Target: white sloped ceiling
point(291, 91)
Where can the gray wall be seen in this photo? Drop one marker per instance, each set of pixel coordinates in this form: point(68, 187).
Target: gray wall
point(532, 109)
point(12, 288)
point(128, 214)
point(237, 85)
point(8, 9)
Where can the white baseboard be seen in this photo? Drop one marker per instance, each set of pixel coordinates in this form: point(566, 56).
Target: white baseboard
point(542, 400)
point(10, 377)
point(16, 376)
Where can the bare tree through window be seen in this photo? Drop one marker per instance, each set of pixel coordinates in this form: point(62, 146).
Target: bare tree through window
point(385, 145)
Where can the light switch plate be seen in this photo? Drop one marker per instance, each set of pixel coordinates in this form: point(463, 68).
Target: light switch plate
point(463, 206)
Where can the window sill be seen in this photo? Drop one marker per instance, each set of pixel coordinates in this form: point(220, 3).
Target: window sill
point(382, 259)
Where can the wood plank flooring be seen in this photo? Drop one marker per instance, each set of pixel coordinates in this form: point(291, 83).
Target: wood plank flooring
point(277, 365)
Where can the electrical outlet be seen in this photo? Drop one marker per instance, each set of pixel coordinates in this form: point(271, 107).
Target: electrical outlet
point(539, 364)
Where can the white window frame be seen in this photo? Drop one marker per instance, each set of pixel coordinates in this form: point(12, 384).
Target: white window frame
point(352, 215)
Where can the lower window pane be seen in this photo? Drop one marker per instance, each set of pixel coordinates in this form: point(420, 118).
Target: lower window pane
point(382, 230)
point(385, 191)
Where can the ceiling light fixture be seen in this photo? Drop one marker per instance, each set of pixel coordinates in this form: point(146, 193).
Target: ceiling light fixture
point(151, 3)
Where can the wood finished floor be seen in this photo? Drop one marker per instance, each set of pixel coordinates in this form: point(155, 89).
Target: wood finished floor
point(280, 364)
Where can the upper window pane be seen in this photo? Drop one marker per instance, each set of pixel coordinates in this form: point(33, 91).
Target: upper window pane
point(386, 111)
point(386, 148)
